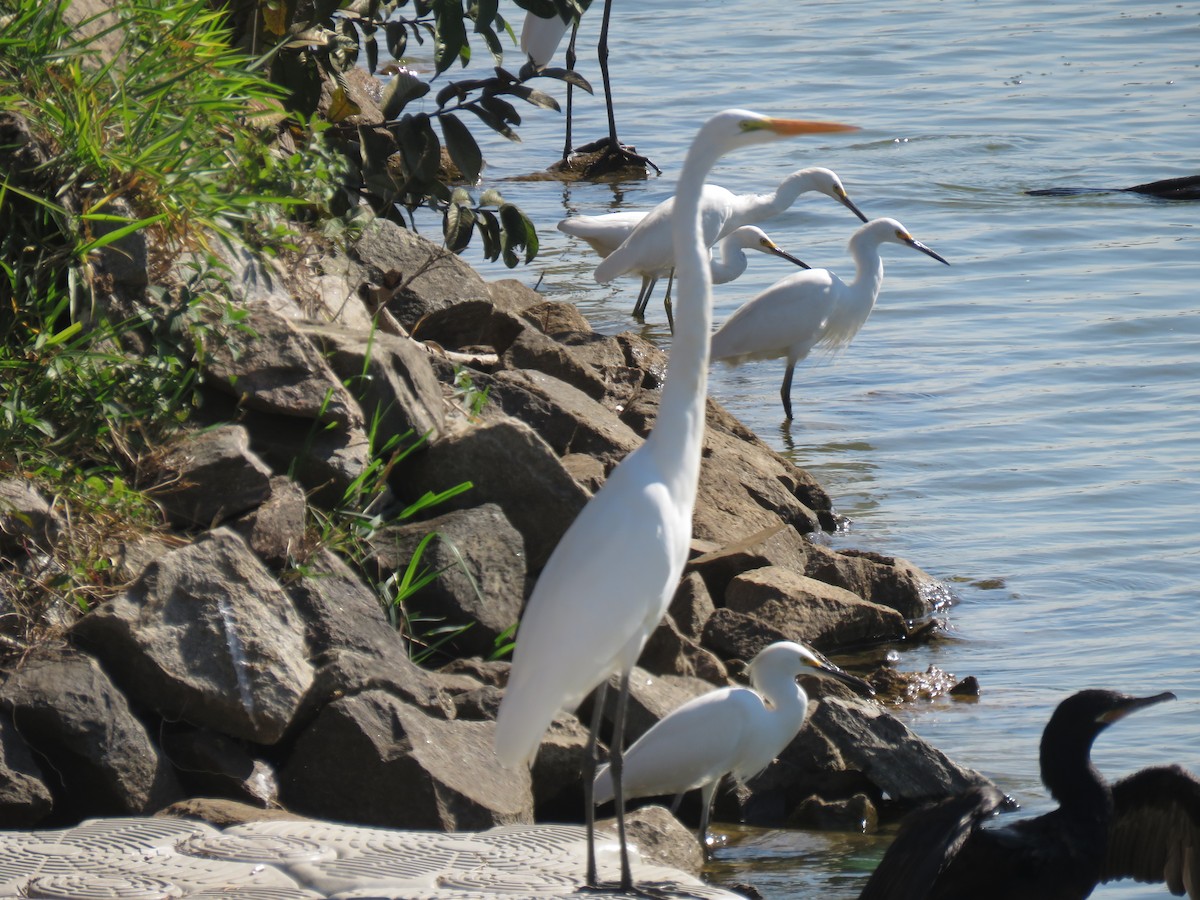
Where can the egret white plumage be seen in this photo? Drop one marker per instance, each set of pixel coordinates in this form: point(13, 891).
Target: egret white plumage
point(647, 250)
point(608, 582)
point(812, 308)
point(734, 731)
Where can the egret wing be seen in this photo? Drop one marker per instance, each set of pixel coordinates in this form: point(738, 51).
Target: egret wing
point(789, 314)
point(1155, 834)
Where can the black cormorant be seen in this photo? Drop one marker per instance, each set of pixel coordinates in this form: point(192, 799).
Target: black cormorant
point(1186, 187)
point(1147, 826)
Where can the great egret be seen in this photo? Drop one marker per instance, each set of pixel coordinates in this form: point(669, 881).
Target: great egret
point(730, 731)
point(813, 307)
point(647, 251)
point(608, 582)
point(540, 38)
point(1146, 827)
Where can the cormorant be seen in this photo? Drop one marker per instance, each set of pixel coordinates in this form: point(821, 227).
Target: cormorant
point(1186, 187)
point(1146, 827)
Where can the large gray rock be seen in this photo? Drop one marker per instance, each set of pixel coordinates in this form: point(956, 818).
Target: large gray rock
point(372, 758)
point(26, 517)
point(427, 277)
point(329, 462)
point(71, 714)
point(24, 797)
point(510, 465)
point(392, 378)
point(887, 580)
point(480, 560)
point(205, 477)
point(811, 611)
point(270, 367)
point(275, 530)
point(206, 635)
point(354, 647)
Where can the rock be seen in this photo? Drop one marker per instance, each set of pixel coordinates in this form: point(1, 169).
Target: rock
point(330, 463)
point(353, 646)
point(211, 765)
point(25, 517)
point(480, 560)
point(372, 758)
point(428, 277)
point(651, 697)
point(886, 580)
point(536, 351)
point(855, 813)
point(565, 417)
point(271, 368)
point(718, 563)
point(735, 635)
point(223, 813)
point(207, 636)
point(276, 529)
point(557, 772)
point(25, 800)
point(512, 466)
point(669, 651)
point(512, 296)
point(691, 606)
point(897, 762)
point(553, 318)
point(468, 326)
point(76, 720)
point(810, 611)
point(205, 477)
point(391, 377)
point(662, 839)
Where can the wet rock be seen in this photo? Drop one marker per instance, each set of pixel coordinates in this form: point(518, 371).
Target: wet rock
point(276, 529)
point(811, 611)
point(510, 465)
point(409, 770)
point(206, 477)
point(207, 636)
point(74, 718)
point(856, 813)
point(480, 558)
point(887, 580)
point(391, 377)
point(271, 368)
point(25, 800)
point(353, 645)
point(662, 839)
point(26, 517)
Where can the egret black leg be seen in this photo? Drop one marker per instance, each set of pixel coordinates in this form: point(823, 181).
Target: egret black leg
point(786, 391)
point(570, 87)
point(617, 767)
point(667, 303)
point(590, 764)
point(639, 308)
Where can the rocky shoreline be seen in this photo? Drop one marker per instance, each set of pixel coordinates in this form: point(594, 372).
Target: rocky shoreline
point(248, 660)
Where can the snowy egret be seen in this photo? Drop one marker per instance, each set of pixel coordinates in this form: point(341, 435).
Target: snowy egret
point(730, 731)
point(813, 307)
point(1150, 832)
point(646, 251)
point(608, 582)
point(540, 38)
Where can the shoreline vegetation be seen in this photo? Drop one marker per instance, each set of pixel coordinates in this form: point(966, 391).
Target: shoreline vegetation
point(278, 473)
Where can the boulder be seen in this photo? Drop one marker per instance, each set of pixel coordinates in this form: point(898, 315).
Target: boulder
point(276, 529)
point(212, 765)
point(479, 558)
point(887, 580)
point(205, 477)
point(74, 718)
point(810, 611)
point(207, 636)
point(26, 517)
point(374, 759)
point(353, 645)
point(25, 800)
point(510, 465)
point(391, 377)
point(330, 463)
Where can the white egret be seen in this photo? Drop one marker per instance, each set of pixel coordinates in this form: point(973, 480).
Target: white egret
point(730, 731)
point(540, 38)
point(813, 307)
point(608, 582)
point(728, 263)
point(646, 251)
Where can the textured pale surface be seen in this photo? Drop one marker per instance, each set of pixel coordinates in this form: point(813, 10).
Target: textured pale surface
point(156, 859)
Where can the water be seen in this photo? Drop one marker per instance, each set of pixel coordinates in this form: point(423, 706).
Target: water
point(1021, 424)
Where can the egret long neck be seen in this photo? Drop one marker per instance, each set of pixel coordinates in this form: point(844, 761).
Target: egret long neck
point(679, 430)
point(750, 209)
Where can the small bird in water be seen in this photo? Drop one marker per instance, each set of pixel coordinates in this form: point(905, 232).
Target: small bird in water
point(732, 730)
point(1146, 827)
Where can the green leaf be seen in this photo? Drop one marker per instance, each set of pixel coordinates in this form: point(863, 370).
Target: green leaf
point(518, 232)
point(458, 224)
point(493, 122)
point(489, 230)
point(537, 98)
point(397, 39)
point(450, 38)
point(501, 109)
point(400, 91)
point(461, 146)
point(491, 197)
point(570, 76)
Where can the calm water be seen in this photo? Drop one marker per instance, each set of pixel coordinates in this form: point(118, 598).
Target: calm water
point(1023, 424)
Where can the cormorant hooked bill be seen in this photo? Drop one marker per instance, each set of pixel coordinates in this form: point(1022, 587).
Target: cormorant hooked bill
point(1146, 827)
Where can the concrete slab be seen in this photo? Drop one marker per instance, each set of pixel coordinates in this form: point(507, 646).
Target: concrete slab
point(163, 859)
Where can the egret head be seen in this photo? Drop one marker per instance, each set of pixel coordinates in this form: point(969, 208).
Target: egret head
point(827, 182)
point(885, 230)
point(792, 659)
point(735, 128)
